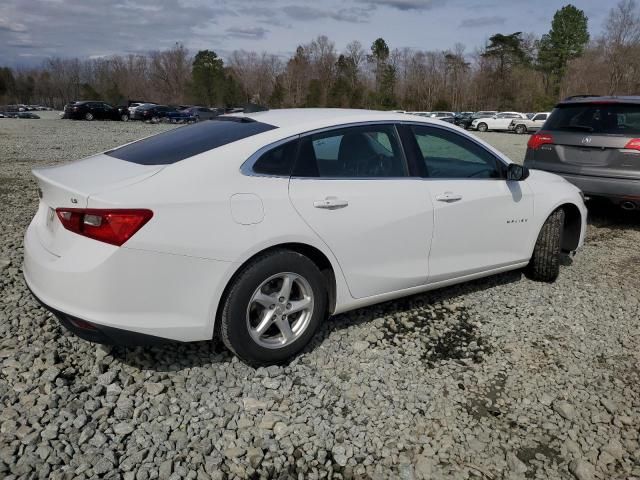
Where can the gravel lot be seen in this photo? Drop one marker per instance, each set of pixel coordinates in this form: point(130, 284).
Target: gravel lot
point(501, 378)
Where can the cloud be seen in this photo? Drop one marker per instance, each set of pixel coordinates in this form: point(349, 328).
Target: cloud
point(81, 28)
point(305, 13)
point(403, 5)
point(253, 33)
point(9, 26)
point(477, 22)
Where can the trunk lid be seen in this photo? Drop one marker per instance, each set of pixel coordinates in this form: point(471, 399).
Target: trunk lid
point(72, 184)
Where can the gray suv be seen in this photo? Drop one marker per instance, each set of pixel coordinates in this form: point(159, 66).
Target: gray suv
point(593, 142)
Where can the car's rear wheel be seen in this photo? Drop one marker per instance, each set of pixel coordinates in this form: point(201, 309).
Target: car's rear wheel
point(273, 307)
point(124, 117)
point(482, 127)
point(88, 116)
point(155, 119)
point(520, 129)
point(545, 261)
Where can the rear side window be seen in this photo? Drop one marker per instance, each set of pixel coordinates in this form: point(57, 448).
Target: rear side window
point(184, 142)
point(604, 118)
point(277, 161)
point(371, 151)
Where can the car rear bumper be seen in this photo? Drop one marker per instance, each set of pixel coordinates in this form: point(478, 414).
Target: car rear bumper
point(126, 294)
point(616, 189)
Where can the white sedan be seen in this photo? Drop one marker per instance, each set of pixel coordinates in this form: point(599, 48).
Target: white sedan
point(499, 121)
point(258, 227)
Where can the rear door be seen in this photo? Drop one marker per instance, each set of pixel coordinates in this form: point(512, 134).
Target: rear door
point(352, 187)
point(591, 139)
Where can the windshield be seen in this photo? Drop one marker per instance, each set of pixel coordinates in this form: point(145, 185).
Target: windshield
point(604, 118)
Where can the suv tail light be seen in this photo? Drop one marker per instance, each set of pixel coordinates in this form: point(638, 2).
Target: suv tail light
point(110, 226)
point(633, 144)
point(539, 139)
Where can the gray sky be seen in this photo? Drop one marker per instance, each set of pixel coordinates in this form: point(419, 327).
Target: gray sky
point(31, 30)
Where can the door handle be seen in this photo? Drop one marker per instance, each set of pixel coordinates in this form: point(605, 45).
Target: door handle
point(448, 197)
point(331, 203)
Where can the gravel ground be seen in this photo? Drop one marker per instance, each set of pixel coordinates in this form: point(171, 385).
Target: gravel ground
point(501, 378)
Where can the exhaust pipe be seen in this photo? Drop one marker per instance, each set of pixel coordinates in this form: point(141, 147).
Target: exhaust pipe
point(628, 205)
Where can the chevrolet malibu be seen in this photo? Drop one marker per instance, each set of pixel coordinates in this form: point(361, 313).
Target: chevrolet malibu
point(256, 228)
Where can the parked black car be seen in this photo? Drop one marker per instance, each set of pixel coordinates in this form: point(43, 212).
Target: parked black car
point(154, 113)
point(463, 119)
point(594, 143)
point(201, 113)
point(94, 110)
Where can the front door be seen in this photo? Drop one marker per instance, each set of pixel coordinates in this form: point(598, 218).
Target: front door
point(482, 221)
point(351, 186)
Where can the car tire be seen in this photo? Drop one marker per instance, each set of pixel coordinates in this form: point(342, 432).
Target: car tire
point(124, 117)
point(520, 129)
point(88, 116)
point(482, 127)
point(545, 261)
point(243, 318)
point(155, 119)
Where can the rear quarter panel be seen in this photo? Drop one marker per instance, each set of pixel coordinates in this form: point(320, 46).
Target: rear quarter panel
point(191, 201)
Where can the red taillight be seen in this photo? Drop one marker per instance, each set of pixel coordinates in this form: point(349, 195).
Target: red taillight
point(633, 144)
point(110, 226)
point(539, 139)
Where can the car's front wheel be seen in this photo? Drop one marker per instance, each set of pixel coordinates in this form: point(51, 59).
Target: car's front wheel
point(88, 116)
point(273, 307)
point(482, 127)
point(545, 261)
point(520, 129)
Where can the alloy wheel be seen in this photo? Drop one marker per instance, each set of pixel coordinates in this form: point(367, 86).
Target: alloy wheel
point(280, 310)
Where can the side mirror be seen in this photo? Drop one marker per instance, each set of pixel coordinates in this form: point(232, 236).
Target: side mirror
point(517, 173)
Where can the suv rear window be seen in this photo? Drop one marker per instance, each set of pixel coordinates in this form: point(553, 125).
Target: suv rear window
point(184, 142)
point(604, 118)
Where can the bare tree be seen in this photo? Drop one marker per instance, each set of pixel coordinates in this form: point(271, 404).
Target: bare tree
point(620, 43)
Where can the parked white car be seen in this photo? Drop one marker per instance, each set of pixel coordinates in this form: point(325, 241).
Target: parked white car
point(499, 121)
point(441, 114)
point(525, 125)
point(257, 227)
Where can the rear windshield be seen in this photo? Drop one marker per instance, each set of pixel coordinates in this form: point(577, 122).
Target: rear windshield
point(606, 118)
point(184, 142)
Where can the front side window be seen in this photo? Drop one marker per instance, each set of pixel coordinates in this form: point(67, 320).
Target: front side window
point(371, 151)
point(542, 116)
point(447, 154)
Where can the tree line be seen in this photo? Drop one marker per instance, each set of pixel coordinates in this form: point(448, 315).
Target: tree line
point(513, 71)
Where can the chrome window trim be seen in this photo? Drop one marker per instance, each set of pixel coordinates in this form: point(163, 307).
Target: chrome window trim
point(246, 168)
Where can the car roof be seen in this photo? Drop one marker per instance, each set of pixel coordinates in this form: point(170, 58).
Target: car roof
point(596, 98)
point(305, 119)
